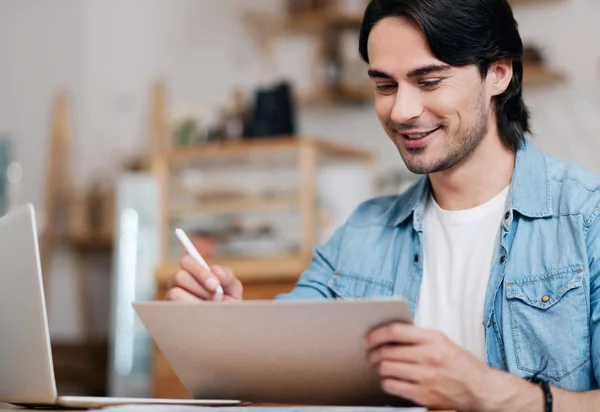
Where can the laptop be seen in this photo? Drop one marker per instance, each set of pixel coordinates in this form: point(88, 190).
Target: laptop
point(26, 369)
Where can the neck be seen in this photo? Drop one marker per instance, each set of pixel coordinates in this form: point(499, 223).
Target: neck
point(476, 180)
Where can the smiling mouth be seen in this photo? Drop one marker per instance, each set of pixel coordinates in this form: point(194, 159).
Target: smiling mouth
point(417, 136)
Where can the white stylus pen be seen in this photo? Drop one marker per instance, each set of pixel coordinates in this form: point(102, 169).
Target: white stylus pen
point(189, 247)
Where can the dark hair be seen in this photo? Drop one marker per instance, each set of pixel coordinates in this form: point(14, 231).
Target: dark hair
point(463, 32)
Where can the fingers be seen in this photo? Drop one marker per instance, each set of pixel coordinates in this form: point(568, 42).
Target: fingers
point(400, 333)
point(204, 283)
point(180, 295)
point(202, 275)
point(231, 285)
point(186, 281)
point(407, 372)
point(417, 354)
point(404, 390)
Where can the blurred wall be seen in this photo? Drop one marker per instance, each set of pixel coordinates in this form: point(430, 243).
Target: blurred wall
point(107, 52)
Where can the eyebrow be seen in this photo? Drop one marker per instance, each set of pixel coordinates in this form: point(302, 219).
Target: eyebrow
point(432, 68)
point(378, 74)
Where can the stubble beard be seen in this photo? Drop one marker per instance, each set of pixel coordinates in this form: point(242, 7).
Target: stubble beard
point(456, 152)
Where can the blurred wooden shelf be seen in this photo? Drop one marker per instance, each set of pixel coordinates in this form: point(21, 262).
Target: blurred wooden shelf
point(345, 94)
point(534, 74)
point(307, 22)
point(243, 204)
point(276, 143)
point(318, 21)
point(276, 268)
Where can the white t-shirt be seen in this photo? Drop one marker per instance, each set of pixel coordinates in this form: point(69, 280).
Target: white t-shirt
point(458, 248)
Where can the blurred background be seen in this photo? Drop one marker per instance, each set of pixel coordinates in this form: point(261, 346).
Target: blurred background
point(249, 123)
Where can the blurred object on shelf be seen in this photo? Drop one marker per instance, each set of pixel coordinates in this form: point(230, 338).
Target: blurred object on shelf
point(77, 224)
point(100, 205)
point(536, 70)
point(234, 118)
point(205, 244)
point(11, 177)
point(532, 55)
point(135, 164)
point(188, 129)
point(91, 214)
point(270, 112)
point(14, 175)
point(273, 112)
point(5, 161)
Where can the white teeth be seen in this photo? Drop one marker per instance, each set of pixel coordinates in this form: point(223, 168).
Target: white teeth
point(417, 136)
point(420, 135)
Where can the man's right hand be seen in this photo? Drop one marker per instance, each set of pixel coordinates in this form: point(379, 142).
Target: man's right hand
point(192, 283)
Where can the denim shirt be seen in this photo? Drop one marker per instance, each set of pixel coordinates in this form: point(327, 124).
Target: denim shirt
point(542, 305)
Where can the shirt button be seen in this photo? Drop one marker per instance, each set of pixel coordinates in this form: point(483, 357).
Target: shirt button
point(416, 258)
point(506, 215)
point(502, 259)
point(489, 323)
point(545, 298)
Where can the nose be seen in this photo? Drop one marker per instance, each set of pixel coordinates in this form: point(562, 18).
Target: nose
point(407, 106)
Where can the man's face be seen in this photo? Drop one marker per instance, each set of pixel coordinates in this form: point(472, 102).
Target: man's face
point(435, 114)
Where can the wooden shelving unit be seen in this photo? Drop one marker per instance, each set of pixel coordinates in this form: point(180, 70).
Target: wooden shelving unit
point(309, 154)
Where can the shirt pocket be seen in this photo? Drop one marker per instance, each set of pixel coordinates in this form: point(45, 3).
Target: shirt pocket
point(549, 322)
point(352, 286)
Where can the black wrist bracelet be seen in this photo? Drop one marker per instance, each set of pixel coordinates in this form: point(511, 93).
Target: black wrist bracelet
point(547, 392)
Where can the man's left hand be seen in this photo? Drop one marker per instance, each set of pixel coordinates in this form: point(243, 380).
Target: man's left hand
point(425, 367)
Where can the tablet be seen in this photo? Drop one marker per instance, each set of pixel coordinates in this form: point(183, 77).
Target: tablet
point(281, 352)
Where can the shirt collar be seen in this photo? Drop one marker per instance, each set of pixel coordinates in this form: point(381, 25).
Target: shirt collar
point(530, 188)
point(529, 193)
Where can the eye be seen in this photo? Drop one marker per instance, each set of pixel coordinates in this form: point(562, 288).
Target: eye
point(429, 83)
point(385, 88)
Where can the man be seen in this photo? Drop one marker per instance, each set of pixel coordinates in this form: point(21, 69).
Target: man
point(495, 247)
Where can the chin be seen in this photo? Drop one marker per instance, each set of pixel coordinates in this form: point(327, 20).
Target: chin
point(419, 168)
point(416, 160)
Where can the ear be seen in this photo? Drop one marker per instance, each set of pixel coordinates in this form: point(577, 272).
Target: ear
point(499, 76)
